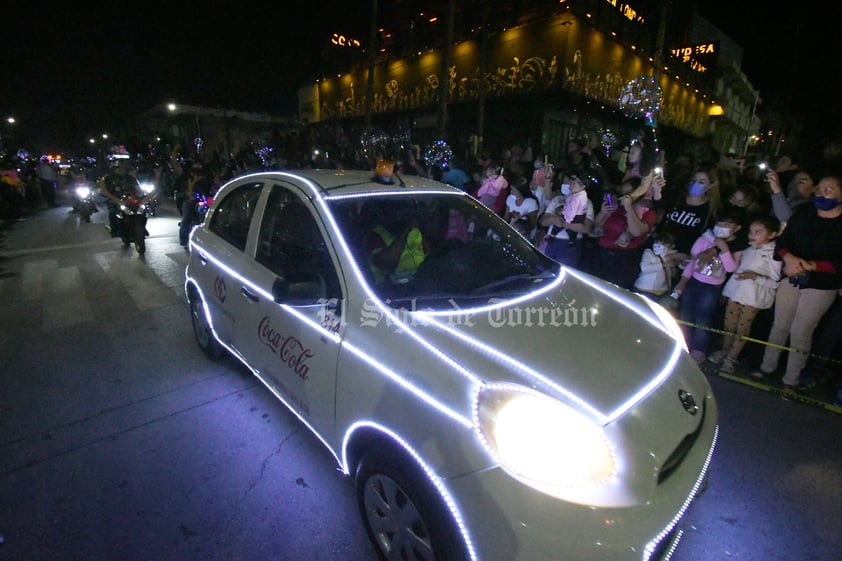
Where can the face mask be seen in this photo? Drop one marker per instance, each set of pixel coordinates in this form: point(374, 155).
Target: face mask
point(565, 189)
point(659, 248)
point(721, 232)
point(538, 165)
point(697, 189)
point(823, 203)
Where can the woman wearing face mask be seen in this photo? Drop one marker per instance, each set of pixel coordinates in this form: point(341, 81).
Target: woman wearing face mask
point(811, 250)
point(689, 217)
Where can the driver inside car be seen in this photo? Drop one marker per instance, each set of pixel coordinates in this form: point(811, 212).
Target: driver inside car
point(396, 246)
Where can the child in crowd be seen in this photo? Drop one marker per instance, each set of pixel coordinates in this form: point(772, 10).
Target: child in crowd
point(701, 283)
point(576, 201)
point(750, 289)
point(493, 184)
point(658, 267)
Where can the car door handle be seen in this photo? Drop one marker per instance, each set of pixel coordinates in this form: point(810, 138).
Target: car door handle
point(203, 259)
point(249, 294)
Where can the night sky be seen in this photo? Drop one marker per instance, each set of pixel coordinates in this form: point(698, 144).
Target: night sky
point(68, 72)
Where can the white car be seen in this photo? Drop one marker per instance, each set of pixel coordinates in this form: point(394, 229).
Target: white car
point(488, 402)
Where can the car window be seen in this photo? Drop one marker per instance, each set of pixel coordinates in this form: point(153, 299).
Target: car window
point(437, 249)
point(232, 217)
point(291, 245)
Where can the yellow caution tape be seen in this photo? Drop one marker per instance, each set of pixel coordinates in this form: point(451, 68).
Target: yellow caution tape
point(785, 393)
point(760, 341)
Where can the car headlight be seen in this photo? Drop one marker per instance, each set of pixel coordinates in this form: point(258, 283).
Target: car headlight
point(83, 192)
point(543, 442)
point(147, 187)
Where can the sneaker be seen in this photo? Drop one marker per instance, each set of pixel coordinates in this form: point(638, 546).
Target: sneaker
point(806, 381)
point(697, 356)
point(728, 365)
point(789, 391)
point(716, 357)
point(760, 374)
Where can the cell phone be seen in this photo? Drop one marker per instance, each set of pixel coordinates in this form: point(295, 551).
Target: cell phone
point(763, 165)
point(609, 199)
point(659, 170)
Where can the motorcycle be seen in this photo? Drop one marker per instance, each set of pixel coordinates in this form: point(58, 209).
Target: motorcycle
point(151, 198)
point(203, 204)
point(132, 215)
point(83, 200)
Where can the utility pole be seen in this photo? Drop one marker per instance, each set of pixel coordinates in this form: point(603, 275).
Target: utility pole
point(660, 38)
point(372, 59)
point(444, 74)
point(483, 63)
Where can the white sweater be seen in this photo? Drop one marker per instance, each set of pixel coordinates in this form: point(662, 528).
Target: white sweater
point(760, 292)
point(653, 274)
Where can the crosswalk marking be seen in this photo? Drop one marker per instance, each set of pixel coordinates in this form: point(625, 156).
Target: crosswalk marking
point(153, 281)
point(32, 278)
point(145, 288)
point(65, 302)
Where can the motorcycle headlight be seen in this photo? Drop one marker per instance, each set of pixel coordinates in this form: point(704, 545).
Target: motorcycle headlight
point(83, 191)
point(543, 442)
point(147, 187)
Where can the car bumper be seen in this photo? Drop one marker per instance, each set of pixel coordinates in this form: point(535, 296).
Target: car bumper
point(507, 521)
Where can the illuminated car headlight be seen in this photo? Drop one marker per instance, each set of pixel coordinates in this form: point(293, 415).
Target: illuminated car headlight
point(543, 442)
point(147, 187)
point(83, 191)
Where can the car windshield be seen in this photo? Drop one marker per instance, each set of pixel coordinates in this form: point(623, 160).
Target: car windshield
point(437, 249)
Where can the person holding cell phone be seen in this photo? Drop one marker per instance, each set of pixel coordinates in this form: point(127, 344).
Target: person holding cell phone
point(799, 191)
point(625, 225)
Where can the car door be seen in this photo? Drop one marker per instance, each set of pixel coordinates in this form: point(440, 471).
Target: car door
point(217, 257)
point(289, 326)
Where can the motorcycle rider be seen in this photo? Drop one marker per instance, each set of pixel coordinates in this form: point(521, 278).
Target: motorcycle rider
point(199, 183)
point(117, 184)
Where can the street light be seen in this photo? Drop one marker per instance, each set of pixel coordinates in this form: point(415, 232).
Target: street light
point(173, 108)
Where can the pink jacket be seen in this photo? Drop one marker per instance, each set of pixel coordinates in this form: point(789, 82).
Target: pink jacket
point(492, 186)
point(717, 270)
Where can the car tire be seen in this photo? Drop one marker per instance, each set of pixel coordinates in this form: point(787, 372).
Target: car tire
point(202, 329)
point(404, 514)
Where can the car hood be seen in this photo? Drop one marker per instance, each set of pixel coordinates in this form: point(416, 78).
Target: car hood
point(582, 340)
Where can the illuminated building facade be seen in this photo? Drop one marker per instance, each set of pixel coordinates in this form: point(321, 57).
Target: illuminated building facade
point(540, 75)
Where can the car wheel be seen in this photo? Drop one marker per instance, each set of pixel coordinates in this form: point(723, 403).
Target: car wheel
point(403, 513)
point(202, 329)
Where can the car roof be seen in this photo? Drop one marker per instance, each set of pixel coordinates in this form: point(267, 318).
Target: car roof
point(334, 182)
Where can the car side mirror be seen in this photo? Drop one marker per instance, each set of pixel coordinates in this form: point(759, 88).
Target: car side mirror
point(298, 288)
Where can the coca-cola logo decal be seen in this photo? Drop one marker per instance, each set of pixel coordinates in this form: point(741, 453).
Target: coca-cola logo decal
point(288, 348)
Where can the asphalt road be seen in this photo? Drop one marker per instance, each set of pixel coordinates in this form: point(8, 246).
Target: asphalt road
point(120, 440)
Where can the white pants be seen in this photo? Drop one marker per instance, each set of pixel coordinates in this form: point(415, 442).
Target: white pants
point(797, 313)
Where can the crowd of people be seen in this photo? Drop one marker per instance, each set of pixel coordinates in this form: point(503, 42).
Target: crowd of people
point(721, 248)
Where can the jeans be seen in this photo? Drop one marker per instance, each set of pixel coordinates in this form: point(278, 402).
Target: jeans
point(698, 306)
